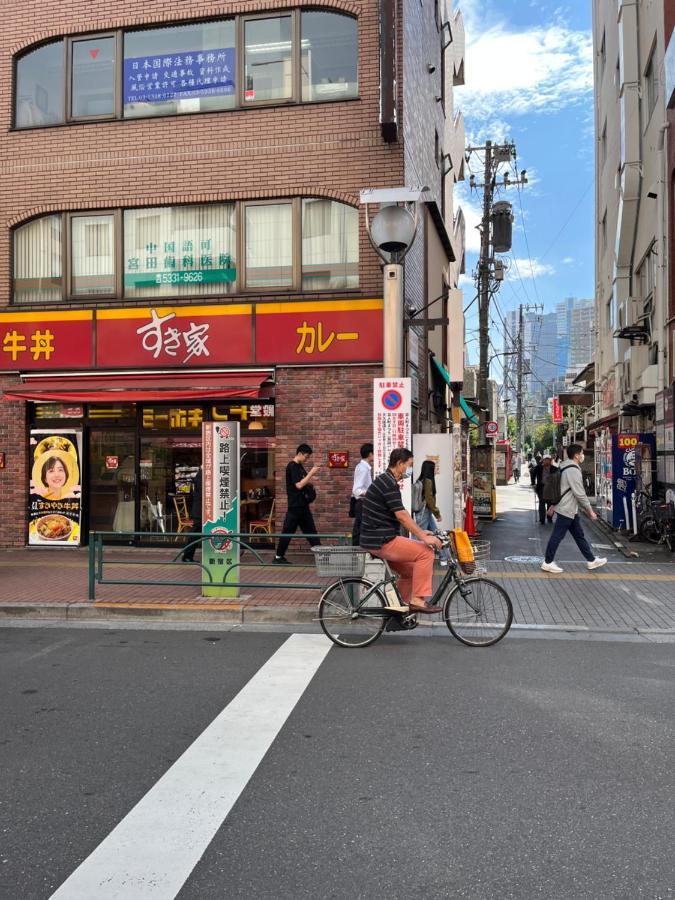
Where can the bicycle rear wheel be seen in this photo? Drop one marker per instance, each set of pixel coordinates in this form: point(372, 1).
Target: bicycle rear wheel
point(649, 530)
point(478, 612)
point(349, 616)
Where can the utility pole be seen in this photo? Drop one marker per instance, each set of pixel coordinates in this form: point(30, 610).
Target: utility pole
point(495, 237)
point(519, 395)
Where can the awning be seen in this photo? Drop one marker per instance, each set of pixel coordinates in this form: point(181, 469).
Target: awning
point(446, 377)
point(121, 388)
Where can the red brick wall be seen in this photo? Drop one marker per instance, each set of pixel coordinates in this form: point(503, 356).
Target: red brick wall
point(13, 479)
point(329, 409)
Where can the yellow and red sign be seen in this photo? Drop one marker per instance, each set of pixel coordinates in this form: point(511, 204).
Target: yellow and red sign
point(46, 340)
point(226, 334)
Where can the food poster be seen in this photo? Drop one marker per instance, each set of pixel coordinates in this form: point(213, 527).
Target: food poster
point(55, 491)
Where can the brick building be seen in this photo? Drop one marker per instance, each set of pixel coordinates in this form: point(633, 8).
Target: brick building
point(181, 239)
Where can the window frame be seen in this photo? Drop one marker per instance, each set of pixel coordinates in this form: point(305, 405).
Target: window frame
point(240, 288)
point(239, 20)
point(69, 295)
point(116, 80)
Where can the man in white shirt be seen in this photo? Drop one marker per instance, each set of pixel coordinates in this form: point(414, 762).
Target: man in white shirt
point(363, 478)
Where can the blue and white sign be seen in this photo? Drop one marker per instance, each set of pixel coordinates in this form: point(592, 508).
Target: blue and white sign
point(172, 76)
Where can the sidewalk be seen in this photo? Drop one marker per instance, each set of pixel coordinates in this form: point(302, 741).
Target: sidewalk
point(626, 596)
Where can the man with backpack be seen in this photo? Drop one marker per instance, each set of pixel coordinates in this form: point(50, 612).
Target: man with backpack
point(567, 487)
point(542, 475)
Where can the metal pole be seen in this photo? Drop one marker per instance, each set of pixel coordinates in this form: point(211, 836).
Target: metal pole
point(519, 397)
point(483, 291)
point(393, 321)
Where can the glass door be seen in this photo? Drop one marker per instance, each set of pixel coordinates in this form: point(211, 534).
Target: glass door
point(112, 480)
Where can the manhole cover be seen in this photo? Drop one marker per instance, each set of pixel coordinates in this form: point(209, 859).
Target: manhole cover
point(524, 559)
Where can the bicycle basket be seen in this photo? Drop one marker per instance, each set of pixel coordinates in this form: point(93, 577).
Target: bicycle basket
point(664, 512)
point(335, 561)
point(469, 552)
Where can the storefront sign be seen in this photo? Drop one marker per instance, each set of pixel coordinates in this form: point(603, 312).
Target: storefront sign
point(338, 459)
point(54, 504)
point(253, 415)
point(46, 340)
point(165, 418)
point(391, 425)
point(174, 336)
point(58, 411)
point(482, 493)
point(171, 76)
point(556, 411)
point(113, 462)
point(220, 506)
point(325, 332)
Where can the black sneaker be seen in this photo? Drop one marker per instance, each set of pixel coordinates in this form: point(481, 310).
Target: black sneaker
point(280, 561)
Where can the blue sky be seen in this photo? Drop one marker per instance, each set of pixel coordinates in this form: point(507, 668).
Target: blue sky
point(529, 78)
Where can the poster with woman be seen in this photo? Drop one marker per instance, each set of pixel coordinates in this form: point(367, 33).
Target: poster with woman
point(55, 492)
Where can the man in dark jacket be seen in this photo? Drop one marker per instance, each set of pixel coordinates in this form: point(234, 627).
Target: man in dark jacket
point(542, 473)
point(299, 490)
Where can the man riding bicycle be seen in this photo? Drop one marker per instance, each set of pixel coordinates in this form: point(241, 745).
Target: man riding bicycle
point(382, 518)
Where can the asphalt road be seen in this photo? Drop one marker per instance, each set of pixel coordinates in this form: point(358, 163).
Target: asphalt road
point(413, 769)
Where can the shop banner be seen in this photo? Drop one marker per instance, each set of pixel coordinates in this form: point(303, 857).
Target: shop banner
point(175, 76)
point(220, 555)
point(325, 332)
point(174, 336)
point(55, 492)
point(46, 340)
point(391, 426)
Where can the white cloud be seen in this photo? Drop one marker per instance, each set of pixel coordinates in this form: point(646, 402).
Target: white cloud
point(568, 260)
point(538, 69)
point(526, 269)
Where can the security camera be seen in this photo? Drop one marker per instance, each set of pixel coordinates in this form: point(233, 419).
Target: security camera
point(410, 310)
point(431, 68)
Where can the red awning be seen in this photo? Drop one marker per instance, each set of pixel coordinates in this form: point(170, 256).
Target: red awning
point(121, 388)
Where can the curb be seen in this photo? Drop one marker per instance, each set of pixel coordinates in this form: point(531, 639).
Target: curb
point(229, 614)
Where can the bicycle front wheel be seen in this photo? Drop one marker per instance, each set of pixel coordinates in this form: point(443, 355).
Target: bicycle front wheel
point(478, 612)
point(351, 613)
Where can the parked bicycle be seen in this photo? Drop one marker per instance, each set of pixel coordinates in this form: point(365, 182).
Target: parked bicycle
point(655, 520)
point(354, 610)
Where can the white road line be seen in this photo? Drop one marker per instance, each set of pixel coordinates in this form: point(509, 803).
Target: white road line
point(153, 850)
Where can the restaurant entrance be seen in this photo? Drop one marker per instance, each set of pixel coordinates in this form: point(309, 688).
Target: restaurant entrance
point(112, 479)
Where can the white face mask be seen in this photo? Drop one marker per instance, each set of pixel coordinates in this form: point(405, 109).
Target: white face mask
point(581, 458)
point(407, 473)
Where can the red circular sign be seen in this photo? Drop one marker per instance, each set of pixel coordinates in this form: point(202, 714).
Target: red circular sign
point(391, 400)
point(491, 428)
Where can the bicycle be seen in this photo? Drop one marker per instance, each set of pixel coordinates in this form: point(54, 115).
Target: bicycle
point(655, 520)
point(354, 611)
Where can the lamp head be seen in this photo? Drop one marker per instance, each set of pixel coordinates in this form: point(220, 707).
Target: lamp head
point(393, 229)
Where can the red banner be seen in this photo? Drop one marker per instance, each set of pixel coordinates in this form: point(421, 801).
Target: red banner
point(323, 332)
point(557, 412)
point(46, 340)
point(174, 336)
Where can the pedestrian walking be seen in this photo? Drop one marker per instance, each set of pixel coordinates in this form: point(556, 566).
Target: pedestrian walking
point(427, 515)
point(301, 494)
point(572, 497)
point(195, 515)
point(515, 467)
point(542, 474)
point(363, 478)
point(532, 464)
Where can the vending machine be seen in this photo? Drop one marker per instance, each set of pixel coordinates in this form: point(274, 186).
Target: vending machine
point(616, 466)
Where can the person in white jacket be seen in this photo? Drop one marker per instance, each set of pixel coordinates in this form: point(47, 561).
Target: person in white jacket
point(572, 496)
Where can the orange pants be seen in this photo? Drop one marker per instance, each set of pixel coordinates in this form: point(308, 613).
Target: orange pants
point(413, 561)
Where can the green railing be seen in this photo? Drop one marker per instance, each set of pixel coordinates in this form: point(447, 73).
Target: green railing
point(101, 542)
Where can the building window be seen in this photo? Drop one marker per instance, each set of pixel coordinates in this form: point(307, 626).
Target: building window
point(269, 245)
point(646, 275)
point(92, 266)
point(268, 68)
point(38, 254)
point(330, 246)
point(651, 88)
point(39, 86)
point(301, 56)
point(603, 145)
point(329, 56)
point(179, 251)
point(93, 78)
point(191, 68)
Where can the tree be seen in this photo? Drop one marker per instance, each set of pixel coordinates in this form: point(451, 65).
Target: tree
point(544, 435)
point(511, 428)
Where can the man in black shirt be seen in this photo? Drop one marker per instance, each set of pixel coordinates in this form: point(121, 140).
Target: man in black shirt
point(383, 516)
point(300, 493)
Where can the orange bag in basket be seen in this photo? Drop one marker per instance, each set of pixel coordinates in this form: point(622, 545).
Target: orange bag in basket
point(464, 550)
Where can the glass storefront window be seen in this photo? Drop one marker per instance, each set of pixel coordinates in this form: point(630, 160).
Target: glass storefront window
point(37, 261)
point(329, 56)
point(92, 255)
point(182, 250)
point(182, 69)
point(269, 245)
point(268, 68)
point(40, 77)
point(330, 245)
point(93, 77)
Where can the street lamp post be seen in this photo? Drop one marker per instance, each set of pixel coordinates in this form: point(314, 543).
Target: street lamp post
point(392, 233)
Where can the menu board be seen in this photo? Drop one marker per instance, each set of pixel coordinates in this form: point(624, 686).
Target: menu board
point(55, 491)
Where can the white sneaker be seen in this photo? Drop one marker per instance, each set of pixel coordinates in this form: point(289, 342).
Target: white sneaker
point(552, 567)
point(597, 563)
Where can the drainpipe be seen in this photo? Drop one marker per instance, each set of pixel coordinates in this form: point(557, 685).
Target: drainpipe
point(662, 212)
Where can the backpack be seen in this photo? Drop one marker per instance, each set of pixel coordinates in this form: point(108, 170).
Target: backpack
point(417, 496)
point(551, 491)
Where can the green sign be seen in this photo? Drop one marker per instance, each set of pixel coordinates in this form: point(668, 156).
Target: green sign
point(187, 276)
